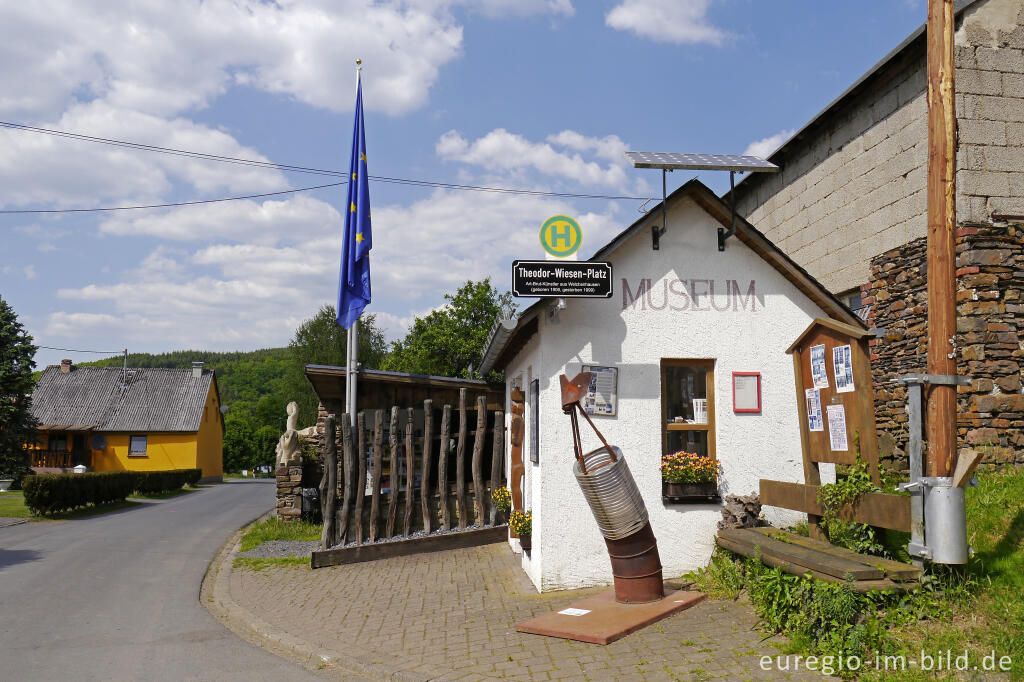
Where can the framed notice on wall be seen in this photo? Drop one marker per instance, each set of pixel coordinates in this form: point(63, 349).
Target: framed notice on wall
point(746, 391)
point(602, 397)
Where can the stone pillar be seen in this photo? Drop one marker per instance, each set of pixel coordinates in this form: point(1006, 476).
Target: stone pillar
point(289, 492)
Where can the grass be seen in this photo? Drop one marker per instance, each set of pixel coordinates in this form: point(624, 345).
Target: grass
point(992, 619)
point(259, 563)
point(276, 529)
point(12, 505)
point(977, 609)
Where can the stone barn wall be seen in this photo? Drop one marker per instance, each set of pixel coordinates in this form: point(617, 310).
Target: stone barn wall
point(990, 323)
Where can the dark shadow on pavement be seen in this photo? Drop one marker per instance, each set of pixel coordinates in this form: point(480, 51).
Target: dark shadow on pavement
point(10, 557)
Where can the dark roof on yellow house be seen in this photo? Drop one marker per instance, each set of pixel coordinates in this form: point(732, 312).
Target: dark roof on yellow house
point(107, 399)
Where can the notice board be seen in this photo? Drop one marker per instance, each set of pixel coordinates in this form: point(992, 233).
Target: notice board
point(835, 398)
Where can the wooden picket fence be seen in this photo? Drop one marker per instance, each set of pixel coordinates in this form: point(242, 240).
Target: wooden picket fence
point(347, 520)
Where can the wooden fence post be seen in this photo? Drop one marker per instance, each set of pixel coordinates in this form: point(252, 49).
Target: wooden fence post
point(460, 462)
point(329, 486)
point(410, 470)
point(378, 464)
point(497, 459)
point(428, 434)
point(361, 477)
point(346, 508)
point(442, 466)
point(479, 502)
point(389, 531)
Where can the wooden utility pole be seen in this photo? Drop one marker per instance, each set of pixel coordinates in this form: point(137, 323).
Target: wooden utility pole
point(941, 412)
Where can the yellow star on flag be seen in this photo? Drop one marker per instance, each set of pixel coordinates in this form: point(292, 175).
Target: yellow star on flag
point(353, 208)
point(353, 176)
point(362, 157)
point(359, 237)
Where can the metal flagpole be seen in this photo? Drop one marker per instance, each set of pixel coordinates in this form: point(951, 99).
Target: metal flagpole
point(352, 366)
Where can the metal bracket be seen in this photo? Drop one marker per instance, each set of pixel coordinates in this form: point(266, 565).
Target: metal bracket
point(722, 234)
point(656, 233)
point(936, 379)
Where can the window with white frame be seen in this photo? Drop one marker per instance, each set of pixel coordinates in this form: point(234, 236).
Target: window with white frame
point(137, 446)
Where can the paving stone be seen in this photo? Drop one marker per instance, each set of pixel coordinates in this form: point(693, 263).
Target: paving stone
point(456, 611)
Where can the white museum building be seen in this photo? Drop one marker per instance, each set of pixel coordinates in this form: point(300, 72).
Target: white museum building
point(681, 321)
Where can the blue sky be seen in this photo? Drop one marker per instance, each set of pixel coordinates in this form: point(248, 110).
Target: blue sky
point(532, 94)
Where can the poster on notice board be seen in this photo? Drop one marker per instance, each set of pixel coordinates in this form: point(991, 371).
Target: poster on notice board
point(842, 366)
point(837, 428)
point(818, 372)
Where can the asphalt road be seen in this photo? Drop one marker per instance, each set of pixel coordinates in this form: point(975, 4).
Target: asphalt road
point(116, 597)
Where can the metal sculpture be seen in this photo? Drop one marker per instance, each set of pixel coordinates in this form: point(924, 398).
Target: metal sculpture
point(618, 508)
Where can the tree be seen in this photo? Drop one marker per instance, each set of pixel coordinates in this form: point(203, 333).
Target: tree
point(320, 341)
point(450, 340)
point(17, 425)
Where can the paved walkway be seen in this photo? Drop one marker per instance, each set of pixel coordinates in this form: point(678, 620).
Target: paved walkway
point(451, 615)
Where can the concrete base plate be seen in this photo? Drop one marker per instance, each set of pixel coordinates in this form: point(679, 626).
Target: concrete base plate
point(602, 620)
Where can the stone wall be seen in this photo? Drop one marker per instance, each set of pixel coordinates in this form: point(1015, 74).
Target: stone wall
point(990, 324)
point(852, 183)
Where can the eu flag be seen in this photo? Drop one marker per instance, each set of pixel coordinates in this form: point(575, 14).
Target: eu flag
point(354, 279)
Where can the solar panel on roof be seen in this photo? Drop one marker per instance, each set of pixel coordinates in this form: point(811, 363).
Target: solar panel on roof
point(673, 161)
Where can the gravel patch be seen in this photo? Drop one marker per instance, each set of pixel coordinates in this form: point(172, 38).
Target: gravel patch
point(282, 548)
point(415, 535)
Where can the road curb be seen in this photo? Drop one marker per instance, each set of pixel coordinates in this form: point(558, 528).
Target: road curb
point(215, 596)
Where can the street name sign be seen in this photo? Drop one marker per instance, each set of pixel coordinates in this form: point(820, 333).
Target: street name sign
point(561, 279)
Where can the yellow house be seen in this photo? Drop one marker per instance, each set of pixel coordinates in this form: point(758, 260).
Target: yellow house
point(110, 419)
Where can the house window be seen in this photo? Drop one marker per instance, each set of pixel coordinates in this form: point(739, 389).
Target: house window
point(59, 443)
point(688, 406)
point(854, 302)
point(137, 446)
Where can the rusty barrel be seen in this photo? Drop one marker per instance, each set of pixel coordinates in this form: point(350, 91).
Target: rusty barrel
point(621, 515)
point(636, 567)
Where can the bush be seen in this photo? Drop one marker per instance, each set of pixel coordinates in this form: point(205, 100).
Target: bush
point(192, 477)
point(54, 493)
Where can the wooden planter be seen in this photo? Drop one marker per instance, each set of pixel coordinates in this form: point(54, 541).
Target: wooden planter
point(525, 542)
point(689, 492)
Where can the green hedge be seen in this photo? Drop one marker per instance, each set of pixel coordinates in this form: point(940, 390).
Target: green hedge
point(55, 493)
point(150, 482)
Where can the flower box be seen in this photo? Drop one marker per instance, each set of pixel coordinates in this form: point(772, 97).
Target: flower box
point(526, 543)
point(690, 492)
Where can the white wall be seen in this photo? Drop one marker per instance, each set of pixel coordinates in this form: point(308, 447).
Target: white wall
point(568, 550)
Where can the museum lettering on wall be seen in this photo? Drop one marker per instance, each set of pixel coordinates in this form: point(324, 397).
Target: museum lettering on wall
point(678, 295)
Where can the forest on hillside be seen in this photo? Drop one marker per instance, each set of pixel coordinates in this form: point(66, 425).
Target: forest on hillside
point(256, 386)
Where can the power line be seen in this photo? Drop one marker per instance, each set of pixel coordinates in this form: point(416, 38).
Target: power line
point(79, 350)
point(171, 150)
point(276, 166)
point(176, 203)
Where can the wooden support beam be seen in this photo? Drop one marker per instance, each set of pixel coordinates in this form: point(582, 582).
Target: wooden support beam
point(378, 464)
point(389, 529)
point(875, 509)
point(410, 470)
point(745, 540)
point(460, 463)
point(360, 476)
point(428, 434)
point(479, 499)
point(893, 569)
point(497, 459)
point(442, 467)
point(941, 193)
point(329, 486)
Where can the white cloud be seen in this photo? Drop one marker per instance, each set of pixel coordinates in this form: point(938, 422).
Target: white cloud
point(30, 271)
point(257, 222)
point(502, 151)
point(764, 148)
point(683, 22)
